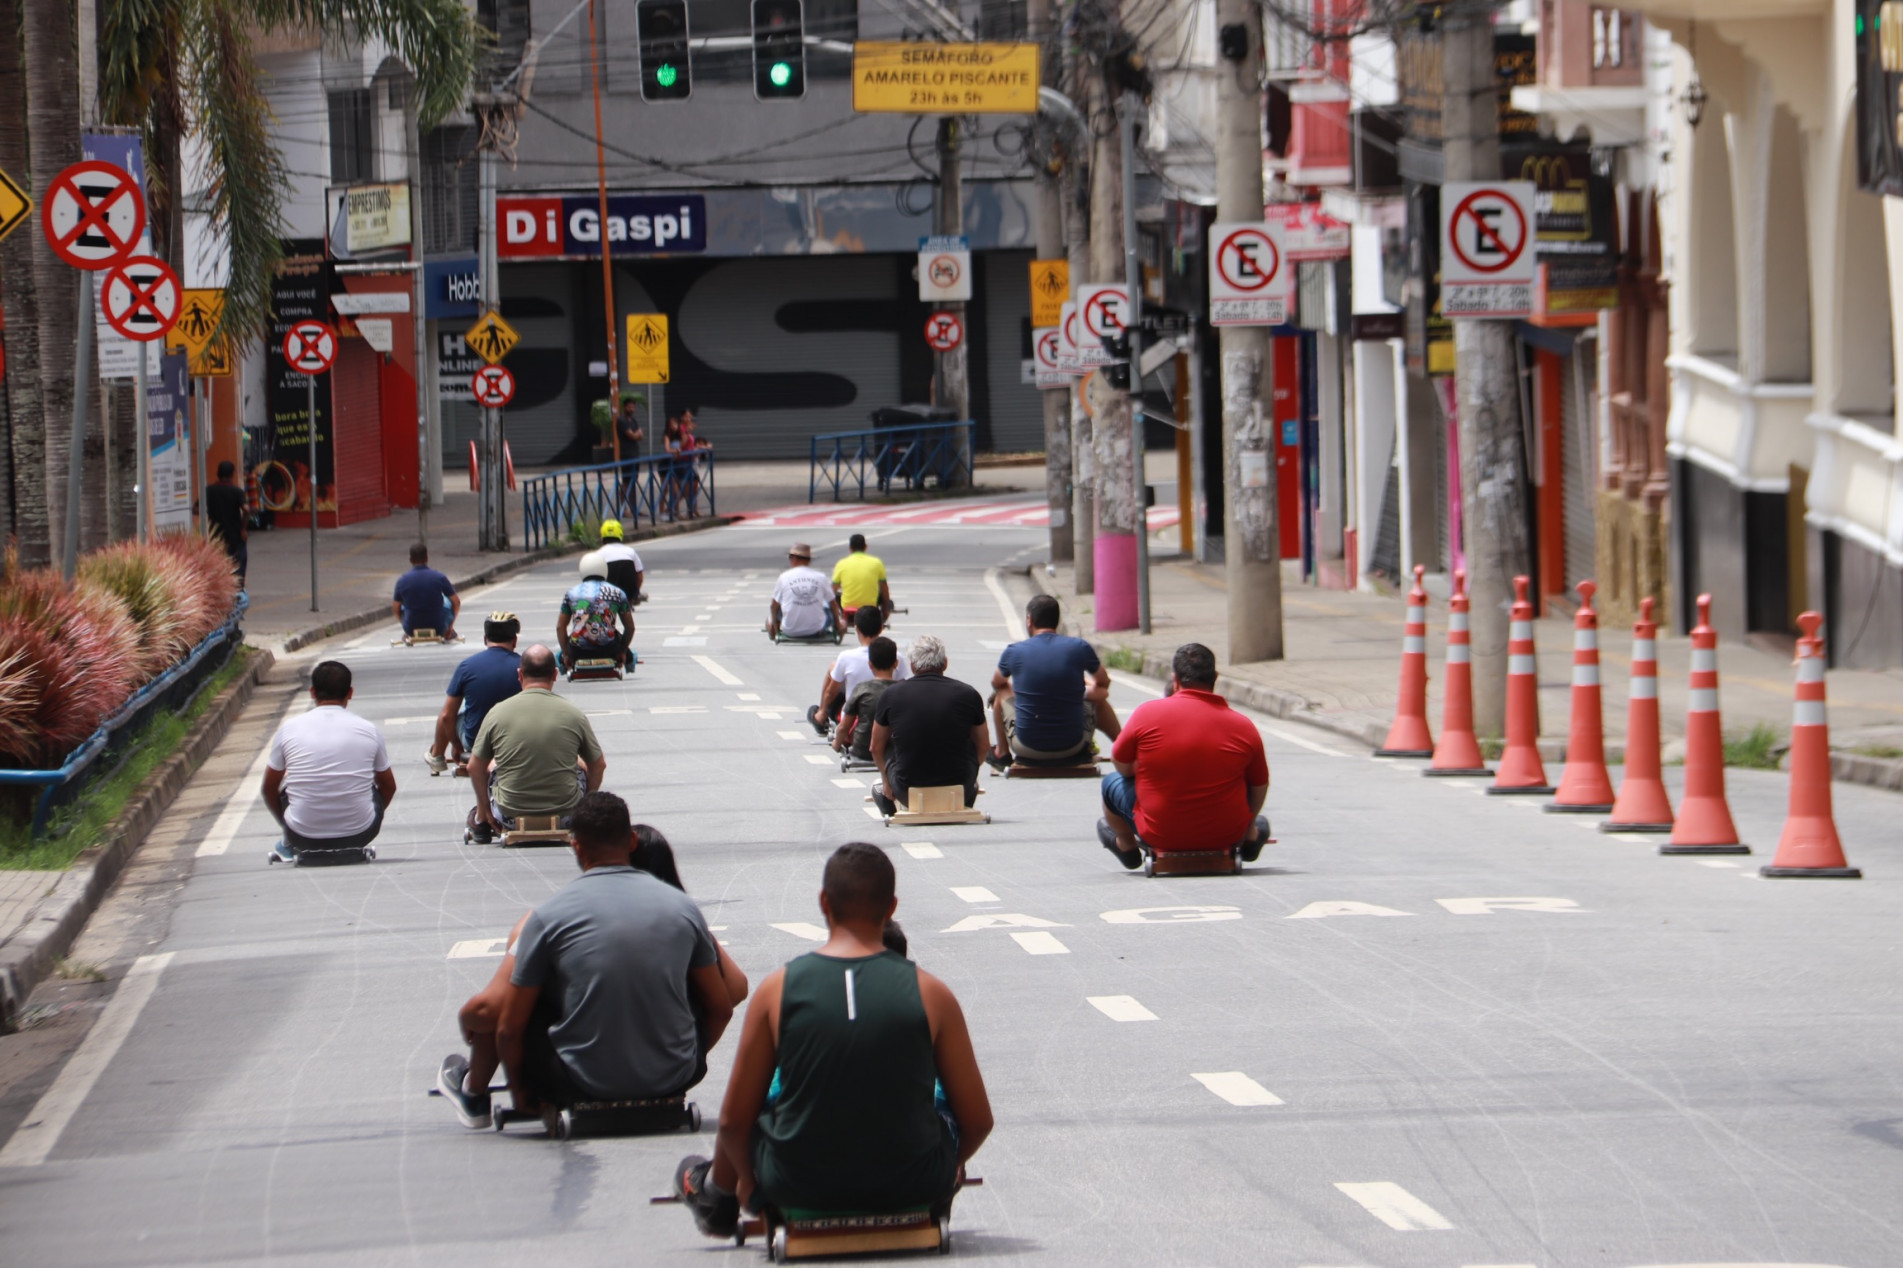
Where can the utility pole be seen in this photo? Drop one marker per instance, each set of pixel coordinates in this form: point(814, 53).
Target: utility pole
point(948, 221)
point(1492, 446)
point(419, 304)
point(601, 234)
point(492, 529)
point(1127, 106)
point(1115, 544)
point(1083, 457)
point(1252, 564)
point(1049, 217)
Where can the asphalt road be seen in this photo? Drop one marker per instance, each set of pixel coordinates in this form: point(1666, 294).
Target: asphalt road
point(1430, 1029)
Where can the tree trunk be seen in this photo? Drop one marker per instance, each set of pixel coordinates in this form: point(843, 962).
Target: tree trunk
point(52, 85)
point(26, 482)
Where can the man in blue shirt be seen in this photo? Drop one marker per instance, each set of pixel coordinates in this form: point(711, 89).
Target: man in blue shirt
point(425, 598)
point(480, 683)
point(1043, 709)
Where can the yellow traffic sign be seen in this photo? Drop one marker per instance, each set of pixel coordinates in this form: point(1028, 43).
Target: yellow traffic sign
point(199, 309)
point(15, 205)
point(213, 361)
point(914, 77)
point(492, 337)
point(647, 348)
point(1050, 287)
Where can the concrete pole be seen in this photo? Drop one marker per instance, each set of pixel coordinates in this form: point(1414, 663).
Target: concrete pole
point(1252, 565)
point(1083, 490)
point(1127, 109)
point(419, 302)
point(1048, 214)
point(1115, 544)
point(76, 464)
point(1493, 490)
point(492, 526)
point(948, 220)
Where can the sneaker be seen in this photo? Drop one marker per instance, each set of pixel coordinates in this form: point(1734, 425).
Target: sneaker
point(816, 720)
point(996, 763)
point(1252, 848)
point(482, 833)
point(472, 1108)
point(1107, 837)
point(281, 853)
point(886, 805)
point(437, 764)
point(716, 1214)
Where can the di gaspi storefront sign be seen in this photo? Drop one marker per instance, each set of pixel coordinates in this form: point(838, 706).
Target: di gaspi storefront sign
point(914, 77)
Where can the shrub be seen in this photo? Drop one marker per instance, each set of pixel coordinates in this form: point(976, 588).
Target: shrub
point(1756, 749)
point(68, 658)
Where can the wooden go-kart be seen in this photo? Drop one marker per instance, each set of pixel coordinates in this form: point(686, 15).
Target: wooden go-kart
point(600, 668)
point(602, 1118)
point(424, 636)
point(1063, 768)
point(797, 1234)
point(529, 830)
point(935, 805)
point(825, 638)
point(1197, 862)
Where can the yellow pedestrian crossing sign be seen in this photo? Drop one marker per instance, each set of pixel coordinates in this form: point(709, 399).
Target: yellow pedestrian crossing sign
point(647, 348)
point(1050, 287)
point(15, 205)
point(213, 361)
point(492, 337)
point(200, 307)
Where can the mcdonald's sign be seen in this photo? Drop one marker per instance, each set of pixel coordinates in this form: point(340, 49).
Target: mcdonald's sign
point(1575, 235)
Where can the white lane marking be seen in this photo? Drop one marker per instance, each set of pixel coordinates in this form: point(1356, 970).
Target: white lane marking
point(1120, 1007)
point(1135, 684)
point(767, 715)
point(791, 735)
point(703, 616)
point(1396, 1207)
point(1487, 906)
point(237, 805)
point(872, 812)
point(921, 849)
point(1040, 943)
point(801, 929)
point(974, 893)
point(1003, 920)
point(689, 629)
point(1237, 1088)
point(685, 640)
point(1013, 622)
point(747, 695)
point(677, 708)
point(1169, 915)
point(714, 667)
point(846, 782)
point(416, 721)
point(1715, 863)
point(1300, 741)
point(479, 949)
point(609, 713)
point(41, 1129)
point(819, 759)
point(1321, 911)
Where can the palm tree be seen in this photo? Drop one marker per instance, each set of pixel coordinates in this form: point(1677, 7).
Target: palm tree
point(26, 439)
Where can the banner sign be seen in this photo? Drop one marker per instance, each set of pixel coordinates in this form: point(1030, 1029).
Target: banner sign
point(923, 77)
point(299, 293)
point(570, 225)
point(167, 395)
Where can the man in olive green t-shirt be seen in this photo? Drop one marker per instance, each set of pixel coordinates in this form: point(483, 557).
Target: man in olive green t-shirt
point(536, 753)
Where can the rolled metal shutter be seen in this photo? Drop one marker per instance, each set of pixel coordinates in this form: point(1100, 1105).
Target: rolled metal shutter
point(1016, 407)
point(537, 299)
point(1579, 463)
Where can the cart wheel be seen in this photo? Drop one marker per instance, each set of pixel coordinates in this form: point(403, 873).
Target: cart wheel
point(561, 1125)
point(369, 853)
point(693, 1117)
point(776, 1247)
point(1235, 861)
point(271, 857)
point(944, 1235)
point(1149, 865)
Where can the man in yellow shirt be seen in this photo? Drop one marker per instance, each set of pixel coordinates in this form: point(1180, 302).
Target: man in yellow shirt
point(859, 580)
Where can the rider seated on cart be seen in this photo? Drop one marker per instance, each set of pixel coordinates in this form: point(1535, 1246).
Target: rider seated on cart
point(480, 683)
point(1049, 695)
point(623, 563)
point(425, 599)
point(536, 753)
point(849, 669)
point(803, 605)
point(859, 1036)
point(859, 580)
point(1190, 772)
point(855, 717)
point(327, 777)
point(614, 988)
point(596, 621)
point(928, 731)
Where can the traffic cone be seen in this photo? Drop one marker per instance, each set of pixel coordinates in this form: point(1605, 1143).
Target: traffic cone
point(1521, 772)
point(1809, 846)
point(1643, 805)
point(1409, 737)
point(1458, 753)
point(1584, 786)
point(1704, 823)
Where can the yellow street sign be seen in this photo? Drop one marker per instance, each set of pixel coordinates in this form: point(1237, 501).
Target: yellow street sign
point(914, 77)
point(647, 348)
point(198, 312)
point(15, 205)
point(492, 337)
point(1050, 287)
point(213, 361)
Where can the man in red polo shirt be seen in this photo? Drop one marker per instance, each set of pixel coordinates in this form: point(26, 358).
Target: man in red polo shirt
point(1190, 771)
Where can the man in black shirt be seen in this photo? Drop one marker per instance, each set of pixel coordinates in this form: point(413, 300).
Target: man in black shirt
point(225, 516)
point(929, 731)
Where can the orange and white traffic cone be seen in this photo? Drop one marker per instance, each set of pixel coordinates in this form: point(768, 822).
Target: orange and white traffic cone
point(1458, 752)
point(1642, 805)
point(1584, 786)
point(1704, 825)
point(1521, 773)
point(1409, 736)
point(1809, 846)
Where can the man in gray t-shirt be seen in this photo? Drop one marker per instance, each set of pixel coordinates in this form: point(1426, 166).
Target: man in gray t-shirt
point(613, 988)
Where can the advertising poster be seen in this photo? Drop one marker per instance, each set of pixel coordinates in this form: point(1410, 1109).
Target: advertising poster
point(282, 464)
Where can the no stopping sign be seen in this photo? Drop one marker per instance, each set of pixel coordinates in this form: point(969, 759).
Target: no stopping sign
point(944, 331)
point(140, 298)
point(493, 387)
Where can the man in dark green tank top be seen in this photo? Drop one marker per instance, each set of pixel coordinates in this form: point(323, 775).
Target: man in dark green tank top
point(859, 1035)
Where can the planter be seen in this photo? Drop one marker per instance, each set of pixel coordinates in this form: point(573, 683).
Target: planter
point(601, 454)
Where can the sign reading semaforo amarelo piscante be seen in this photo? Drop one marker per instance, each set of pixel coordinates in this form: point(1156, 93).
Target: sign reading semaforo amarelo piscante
point(916, 77)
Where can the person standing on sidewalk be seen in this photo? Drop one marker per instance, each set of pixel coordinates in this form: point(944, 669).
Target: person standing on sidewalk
point(225, 517)
point(327, 778)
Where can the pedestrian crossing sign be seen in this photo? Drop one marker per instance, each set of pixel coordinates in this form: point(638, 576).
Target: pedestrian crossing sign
point(1050, 287)
point(15, 205)
point(492, 337)
point(213, 361)
point(647, 348)
point(199, 311)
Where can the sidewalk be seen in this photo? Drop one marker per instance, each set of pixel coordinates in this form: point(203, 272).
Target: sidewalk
point(1344, 658)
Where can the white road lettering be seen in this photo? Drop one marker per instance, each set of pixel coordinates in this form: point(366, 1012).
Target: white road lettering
point(974, 893)
point(1487, 906)
point(1040, 944)
point(479, 949)
point(1003, 920)
point(1169, 915)
point(1321, 911)
point(802, 929)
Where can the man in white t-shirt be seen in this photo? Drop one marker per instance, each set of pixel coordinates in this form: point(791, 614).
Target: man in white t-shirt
point(850, 668)
point(327, 780)
point(804, 605)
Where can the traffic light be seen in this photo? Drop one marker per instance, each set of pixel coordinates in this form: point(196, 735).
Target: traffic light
point(779, 49)
point(667, 74)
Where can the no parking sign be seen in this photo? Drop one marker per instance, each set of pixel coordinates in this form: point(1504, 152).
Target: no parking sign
point(1251, 280)
point(1488, 262)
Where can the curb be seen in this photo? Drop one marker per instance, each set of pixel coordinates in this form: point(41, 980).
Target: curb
point(1873, 772)
point(30, 953)
point(370, 616)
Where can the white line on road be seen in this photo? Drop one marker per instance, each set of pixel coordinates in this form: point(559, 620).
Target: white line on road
point(1715, 863)
point(801, 929)
point(1135, 684)
point(237, 805)
point(1120, 1007)
point(844, 782)
point(714, 667)
point(921, 849)
point(41, 1130)
point(479, 949)
point(791, 735)
point(1237, 1088)
point(1013, 623)
point(974, 893)
point(747, 695)
point(1299, 741)
point(819, 759)
point(1396, 1207)
point(872, 812)
point(677, 708)
point(1040, 943)
point(609, 713)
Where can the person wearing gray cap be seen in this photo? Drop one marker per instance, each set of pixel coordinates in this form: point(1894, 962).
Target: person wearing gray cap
point(804, 605)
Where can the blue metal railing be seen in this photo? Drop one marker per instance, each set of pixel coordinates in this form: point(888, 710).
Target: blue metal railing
point(172, 691)
point(656, 488)
point(846, 461)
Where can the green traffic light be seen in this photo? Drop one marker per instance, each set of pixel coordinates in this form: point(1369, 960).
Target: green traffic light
point(665, 74)
point(781, 73)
